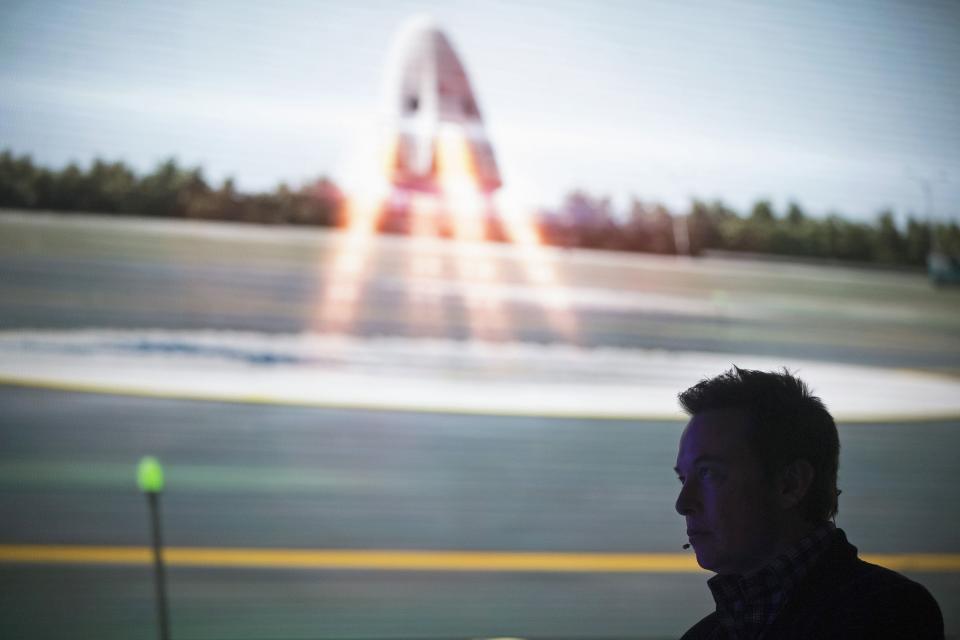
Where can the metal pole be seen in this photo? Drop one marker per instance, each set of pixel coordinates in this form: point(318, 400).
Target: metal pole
point(928, 201)
point(158, 573)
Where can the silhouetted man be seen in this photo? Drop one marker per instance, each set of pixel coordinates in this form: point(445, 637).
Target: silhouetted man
point(758, 464)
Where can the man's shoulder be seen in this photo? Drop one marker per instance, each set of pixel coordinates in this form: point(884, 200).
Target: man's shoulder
point(875, 578)
point(840, 572)
point(884, 592)
point(860, 599)
point(705, 629)
point(844, 597)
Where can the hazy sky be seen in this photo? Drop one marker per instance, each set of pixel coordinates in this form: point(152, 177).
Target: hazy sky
point(842, 106)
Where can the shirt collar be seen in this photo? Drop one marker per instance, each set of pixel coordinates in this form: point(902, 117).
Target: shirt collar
point(746, 605)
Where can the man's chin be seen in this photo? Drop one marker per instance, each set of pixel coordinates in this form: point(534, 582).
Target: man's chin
point(705, 563)
point(706, 558)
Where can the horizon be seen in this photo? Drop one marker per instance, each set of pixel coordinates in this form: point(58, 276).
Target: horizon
point(552, 209)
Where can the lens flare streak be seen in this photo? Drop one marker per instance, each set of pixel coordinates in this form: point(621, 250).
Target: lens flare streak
point(424, 295)
point(467, 208)
point(541, 272)
point(347, 273)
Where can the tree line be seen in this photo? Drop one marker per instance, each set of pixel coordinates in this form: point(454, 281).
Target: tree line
point(587, 221)
point(169, 191)
point(581, 220)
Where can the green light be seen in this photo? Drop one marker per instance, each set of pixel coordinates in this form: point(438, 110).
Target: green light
point(150, 475)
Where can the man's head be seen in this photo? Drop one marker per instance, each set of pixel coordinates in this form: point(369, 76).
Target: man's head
point(758, 463)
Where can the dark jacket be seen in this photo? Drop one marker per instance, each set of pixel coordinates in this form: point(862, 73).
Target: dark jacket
point(845, 598)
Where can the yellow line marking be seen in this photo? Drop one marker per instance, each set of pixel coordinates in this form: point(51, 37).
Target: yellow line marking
point(399, 560)
point(939, 562)
point(140, 392)
point(380, 559)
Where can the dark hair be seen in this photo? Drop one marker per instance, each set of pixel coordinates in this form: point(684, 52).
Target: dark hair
point(787, 423)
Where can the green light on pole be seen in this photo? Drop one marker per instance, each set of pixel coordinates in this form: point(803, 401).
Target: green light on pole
point(150, 475)
point(150, 481)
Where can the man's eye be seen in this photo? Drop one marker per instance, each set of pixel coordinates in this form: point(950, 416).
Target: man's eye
point(706, 473)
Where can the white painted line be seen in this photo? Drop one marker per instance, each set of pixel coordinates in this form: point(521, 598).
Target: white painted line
point(435, 375)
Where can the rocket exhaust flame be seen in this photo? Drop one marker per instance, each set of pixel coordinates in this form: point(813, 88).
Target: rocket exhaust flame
point(478, 281)
point(425, 308)
point(522, 231)
point(438, 163)
point(457, 176)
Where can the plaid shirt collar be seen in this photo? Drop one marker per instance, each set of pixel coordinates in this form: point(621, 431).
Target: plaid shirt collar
point(746, 605)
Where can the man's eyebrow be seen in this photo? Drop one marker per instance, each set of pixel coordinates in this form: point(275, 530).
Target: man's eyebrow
point(703, 458)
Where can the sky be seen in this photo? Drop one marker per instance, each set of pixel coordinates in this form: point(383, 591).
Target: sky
point(848, 107)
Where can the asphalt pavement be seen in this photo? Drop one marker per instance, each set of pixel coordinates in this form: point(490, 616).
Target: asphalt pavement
point(262, 477)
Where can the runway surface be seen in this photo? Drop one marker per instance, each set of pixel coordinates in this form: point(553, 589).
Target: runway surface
point(306, 478)
point(267, 477)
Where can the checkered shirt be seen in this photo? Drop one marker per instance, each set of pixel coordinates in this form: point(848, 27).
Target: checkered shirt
point(747, 605)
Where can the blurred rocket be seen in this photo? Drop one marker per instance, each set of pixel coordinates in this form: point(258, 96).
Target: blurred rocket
point(435, 135)
point(435, 176)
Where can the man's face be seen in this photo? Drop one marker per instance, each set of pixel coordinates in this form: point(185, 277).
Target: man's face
point(732, 520)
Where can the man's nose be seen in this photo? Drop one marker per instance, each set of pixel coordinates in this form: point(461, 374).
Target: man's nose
point(686, 501)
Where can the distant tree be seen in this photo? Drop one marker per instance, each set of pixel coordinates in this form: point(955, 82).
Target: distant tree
point(18, 178)
point(169, 190)
point(751, 234)
point(587, 221)
point(889, 245)
point(916, 242)
point(317, 203)
point(795, 215)
point(762, 212)
point(706, 224)
point(854, 241)
point(947, 238)
point(649, 228)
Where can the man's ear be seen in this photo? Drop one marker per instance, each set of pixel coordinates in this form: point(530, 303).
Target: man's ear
point(794, 482)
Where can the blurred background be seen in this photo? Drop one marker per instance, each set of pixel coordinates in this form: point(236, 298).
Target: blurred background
point(402, 294)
